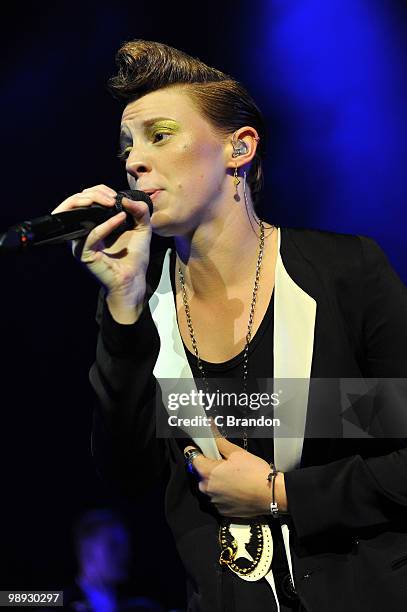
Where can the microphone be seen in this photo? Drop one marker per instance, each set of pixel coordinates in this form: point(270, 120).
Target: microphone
point(71, 224)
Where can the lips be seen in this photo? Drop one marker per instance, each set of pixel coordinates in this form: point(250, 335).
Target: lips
point(149, 190)
point(153, 193)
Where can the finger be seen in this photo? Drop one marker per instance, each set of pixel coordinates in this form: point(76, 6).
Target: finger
point(70, 203)
point(103, 189)
point(194, 462)
point(139, 210)
point(203, 466)
point(95, 197)
point(226, 448)
point(203, 487)
point(81, 199)
point(188, 457)
point(102, 231)
point(188, 448)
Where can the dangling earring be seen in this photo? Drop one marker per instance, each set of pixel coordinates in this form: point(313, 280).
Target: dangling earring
point(236, 181)
point(236, 178)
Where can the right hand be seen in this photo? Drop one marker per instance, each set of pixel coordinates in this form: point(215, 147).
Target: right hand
point(120, 265)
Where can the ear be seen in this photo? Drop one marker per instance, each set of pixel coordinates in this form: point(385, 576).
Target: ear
point(251, 138)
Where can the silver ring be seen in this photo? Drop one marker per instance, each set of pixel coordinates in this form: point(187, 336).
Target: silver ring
point(189, 456)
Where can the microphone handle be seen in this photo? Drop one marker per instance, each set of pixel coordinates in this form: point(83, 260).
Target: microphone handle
point(71, 224)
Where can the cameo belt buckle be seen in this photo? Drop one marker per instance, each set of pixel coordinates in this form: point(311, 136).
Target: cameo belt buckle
point(246, 549)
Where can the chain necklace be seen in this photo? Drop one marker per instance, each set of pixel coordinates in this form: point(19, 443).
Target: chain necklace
point(249, 326)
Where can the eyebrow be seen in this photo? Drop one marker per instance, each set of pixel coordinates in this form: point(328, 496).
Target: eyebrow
point(125, 137)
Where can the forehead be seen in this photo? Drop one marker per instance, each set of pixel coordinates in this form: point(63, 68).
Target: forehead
point(172, 103)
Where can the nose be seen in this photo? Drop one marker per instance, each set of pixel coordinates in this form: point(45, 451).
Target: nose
point(137, 164)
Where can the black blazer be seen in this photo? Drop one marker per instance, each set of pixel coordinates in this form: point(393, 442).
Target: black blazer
point(348, 498)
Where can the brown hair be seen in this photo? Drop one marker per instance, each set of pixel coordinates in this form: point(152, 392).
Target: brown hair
point(145, 66)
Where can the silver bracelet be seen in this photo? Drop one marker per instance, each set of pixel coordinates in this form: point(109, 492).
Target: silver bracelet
point(272, 479)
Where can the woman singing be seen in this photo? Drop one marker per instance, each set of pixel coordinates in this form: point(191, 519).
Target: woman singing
point(306, 522)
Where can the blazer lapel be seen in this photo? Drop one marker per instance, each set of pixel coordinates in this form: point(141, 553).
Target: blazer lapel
point(172, 369)
point(294, 325)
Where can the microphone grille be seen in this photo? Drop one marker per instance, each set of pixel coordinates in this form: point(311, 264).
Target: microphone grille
point(135, 194)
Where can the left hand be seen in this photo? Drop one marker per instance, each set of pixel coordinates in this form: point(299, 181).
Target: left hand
point(237, 485)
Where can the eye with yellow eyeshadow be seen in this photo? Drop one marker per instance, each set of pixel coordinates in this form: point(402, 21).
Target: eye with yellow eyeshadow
point(159, 133)
point(124, 153)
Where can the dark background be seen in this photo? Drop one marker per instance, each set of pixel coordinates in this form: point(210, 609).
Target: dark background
point(330, 79)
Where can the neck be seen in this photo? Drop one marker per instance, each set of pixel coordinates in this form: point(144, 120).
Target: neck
point(219, 254)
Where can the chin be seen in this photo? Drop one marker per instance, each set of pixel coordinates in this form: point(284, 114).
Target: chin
point(163, 225)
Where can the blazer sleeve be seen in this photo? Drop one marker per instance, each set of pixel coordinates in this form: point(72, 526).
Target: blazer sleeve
point(125, 449)
point(357, 492)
